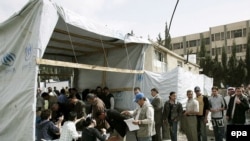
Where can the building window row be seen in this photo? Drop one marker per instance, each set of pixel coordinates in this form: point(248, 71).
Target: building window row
point(191, 43)
point(230, 34)
point(177, 46)
point(239, 48)
point(217, 50)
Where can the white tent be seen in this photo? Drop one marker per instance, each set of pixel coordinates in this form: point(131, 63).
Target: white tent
point(177, 80)
point(45, 33)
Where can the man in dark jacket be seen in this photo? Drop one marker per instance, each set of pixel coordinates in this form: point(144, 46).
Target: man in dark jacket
point(46, 129)
point(158, 106)
point(118, 127)
point(237, 107)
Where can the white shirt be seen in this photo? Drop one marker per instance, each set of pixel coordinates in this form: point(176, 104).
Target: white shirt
point(68, 131)
point(192, 105)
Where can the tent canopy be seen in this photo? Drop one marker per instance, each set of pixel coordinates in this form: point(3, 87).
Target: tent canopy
point(44, 33)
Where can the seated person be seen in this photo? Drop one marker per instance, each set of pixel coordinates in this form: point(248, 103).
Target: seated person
point(69, 128)
point(46, 129)
point(56, 112)
point(90, 133)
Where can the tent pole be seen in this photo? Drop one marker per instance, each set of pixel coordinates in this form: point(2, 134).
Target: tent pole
point(85, 66)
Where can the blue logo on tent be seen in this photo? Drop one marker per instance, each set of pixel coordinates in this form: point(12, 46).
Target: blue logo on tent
point(9, 59)
point(28, 52)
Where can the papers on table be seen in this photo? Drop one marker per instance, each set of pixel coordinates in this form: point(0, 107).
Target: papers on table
point(130, 125)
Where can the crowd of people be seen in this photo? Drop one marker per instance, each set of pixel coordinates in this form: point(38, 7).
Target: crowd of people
point(69, 115)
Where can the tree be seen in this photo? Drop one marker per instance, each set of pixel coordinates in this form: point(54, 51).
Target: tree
point(208, 63)
point(247, 59)
point(159, 39)
point(167, 38)
point(224, 64)
point(232, 65)
point(241, 73)
point(217, 70)
point(202, 54)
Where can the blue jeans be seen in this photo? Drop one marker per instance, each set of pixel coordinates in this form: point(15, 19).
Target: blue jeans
point(173, 125)
point(201, 128)
point(144, 138)
point(218, 126)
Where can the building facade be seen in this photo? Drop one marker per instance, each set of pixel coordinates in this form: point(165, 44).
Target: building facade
point(159, 59)
point(215, 39)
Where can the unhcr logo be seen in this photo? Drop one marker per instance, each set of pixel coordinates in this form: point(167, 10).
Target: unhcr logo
point(28, 52)
point(8, 59)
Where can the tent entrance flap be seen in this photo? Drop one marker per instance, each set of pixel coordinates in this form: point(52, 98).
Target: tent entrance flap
point(85, 66)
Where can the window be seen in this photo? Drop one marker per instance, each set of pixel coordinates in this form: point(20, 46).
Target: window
point(179, 63)
point(222, 35)
point(212, 36)
point(229, 49)
point(244, 47)
point(218, 50)
point(187, 44)
point(198, 42)
point(228, 35)
point(176, 46)
point(244, 32)
point(207, 41)
point(236, 33)
point(213, 51)
point(159, 56)
point(217, 36)
point(192, 43)
point(238, 48)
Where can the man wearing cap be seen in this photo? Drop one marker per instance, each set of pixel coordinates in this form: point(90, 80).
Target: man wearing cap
point(202, 114)
point(144, 117)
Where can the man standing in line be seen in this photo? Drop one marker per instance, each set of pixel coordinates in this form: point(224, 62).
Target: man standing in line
point(230, 93)
point(237, 107)
point(202, 114)
point(217, 106)
point(109, 100)
point(189, 121)
point(158, 106)
point(171, 114)
point(144, 117)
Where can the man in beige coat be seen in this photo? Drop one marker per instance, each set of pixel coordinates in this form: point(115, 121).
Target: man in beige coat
point(144, 117)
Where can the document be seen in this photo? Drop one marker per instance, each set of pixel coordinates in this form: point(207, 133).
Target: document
point(131, 126)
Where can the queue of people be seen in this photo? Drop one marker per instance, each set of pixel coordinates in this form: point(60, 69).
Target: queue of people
point(91, 115)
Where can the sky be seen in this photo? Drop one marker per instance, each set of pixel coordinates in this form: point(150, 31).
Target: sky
point(147, 18)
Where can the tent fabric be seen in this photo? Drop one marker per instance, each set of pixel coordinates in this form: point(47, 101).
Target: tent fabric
point(22, 38)
point(178, 80)
point(42, 29)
